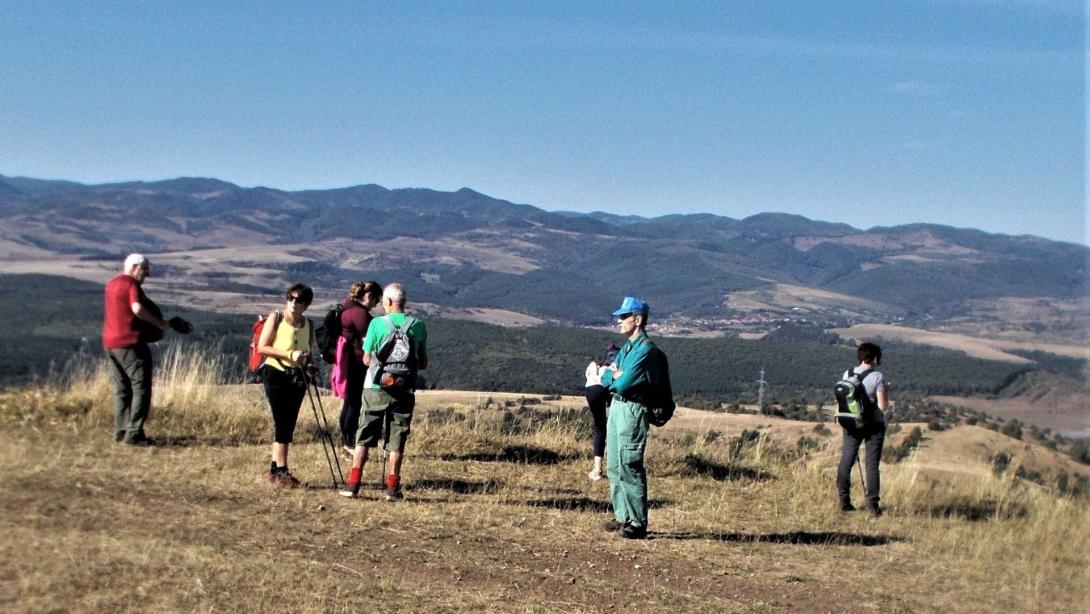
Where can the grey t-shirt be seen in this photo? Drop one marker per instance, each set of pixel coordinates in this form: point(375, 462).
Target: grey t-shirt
point(872, 383)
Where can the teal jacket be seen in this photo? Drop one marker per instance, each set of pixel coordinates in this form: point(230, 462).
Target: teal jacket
point(637, 371)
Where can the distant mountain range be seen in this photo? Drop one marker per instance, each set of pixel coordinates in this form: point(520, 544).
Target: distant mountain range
point(463, 250)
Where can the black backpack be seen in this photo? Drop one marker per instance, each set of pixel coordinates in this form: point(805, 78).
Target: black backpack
point(327, 334)
point(855, 409)
point(660, 404)
point(397, 360)
point(148, 332)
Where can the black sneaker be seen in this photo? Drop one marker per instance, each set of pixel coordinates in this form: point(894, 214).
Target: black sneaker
point(141, 441)
point(394, 494)
point(350, 490)
point(631, 531)
point(612, 526)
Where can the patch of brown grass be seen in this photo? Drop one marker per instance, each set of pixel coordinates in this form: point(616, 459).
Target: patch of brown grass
point(498, 516)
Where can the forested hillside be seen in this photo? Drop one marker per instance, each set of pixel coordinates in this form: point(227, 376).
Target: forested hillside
point(52, 318)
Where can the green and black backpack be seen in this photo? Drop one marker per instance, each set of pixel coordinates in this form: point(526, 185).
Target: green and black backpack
point(855, 409)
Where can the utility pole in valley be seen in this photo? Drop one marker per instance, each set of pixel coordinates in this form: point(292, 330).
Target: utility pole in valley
point(761, 393)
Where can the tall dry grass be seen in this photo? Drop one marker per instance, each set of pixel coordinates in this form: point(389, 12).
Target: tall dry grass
point(747, 506)
point(194, 397)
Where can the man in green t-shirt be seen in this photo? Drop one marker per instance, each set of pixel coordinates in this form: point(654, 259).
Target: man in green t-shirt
point(395, 348)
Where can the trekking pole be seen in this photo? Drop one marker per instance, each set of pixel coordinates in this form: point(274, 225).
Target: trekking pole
point(859, 463)
point(386, 420)
point(328, 432)
point(323, 434)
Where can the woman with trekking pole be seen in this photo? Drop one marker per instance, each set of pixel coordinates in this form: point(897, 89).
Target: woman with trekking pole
point(285, 342)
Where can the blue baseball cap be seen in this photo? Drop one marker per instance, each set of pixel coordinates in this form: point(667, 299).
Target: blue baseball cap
point(632, 304)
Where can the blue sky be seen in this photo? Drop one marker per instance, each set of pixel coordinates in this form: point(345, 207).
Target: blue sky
point(970, 113)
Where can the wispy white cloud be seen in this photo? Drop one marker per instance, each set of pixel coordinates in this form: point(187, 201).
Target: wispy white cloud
point(575, 35)
point(914, 88)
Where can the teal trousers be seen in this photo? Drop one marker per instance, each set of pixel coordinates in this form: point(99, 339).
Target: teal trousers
point(626, 441)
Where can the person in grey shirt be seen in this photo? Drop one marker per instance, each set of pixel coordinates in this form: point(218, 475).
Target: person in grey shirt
point(873, 433)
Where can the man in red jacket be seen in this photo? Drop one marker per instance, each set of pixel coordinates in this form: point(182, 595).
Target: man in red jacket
point(130, 321)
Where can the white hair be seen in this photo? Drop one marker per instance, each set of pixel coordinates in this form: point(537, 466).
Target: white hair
point(135, 260)
point(395, 294)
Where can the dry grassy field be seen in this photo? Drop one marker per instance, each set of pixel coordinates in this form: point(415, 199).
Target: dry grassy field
point(987, 348)
point(499, 515)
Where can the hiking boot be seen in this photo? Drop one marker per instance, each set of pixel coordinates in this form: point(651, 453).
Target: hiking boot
point(394, 493)
point(874, 510)
point(283, 479)
point(846, 506)
point(595, 475)
point(631, 531)
point(612, 526)
point(350, 490)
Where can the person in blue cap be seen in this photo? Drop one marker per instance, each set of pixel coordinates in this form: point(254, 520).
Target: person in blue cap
point(629, 379)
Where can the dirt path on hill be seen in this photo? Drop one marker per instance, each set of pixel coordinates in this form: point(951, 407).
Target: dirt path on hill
point(98, 527)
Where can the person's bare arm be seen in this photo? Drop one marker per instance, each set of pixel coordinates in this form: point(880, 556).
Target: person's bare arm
point(268, 333)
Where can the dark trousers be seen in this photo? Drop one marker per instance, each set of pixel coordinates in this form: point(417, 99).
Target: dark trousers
point(353, 401)
point(874, 436)
point(285, 391)
point(130, 372)
point(598, 400)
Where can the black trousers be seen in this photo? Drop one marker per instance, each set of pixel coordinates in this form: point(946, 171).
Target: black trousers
point(873, 436)
point(598, 398)
point(285, 391)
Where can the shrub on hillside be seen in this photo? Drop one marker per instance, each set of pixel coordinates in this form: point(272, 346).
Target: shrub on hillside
point(910, 443)
point(1000, 462)
point(1077, 487)
point(1080, 452)
point(1012, 429)
point(807, 444)
point(746, 439)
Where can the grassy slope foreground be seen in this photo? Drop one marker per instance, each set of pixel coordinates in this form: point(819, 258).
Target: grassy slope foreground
point(500, 516)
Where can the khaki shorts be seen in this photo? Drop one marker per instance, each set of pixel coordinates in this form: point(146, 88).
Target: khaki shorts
point(383, 412)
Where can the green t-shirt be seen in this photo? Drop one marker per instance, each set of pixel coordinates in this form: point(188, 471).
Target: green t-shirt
point(380, 328)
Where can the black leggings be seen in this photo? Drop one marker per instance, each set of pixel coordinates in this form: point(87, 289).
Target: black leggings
point(598, 399)
point(285, 391)
point(353, 401)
